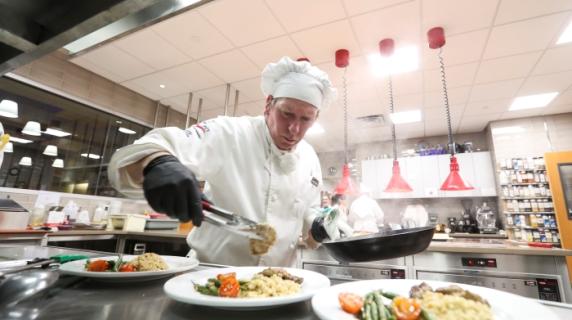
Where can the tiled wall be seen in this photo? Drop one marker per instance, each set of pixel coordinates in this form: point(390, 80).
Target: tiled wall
point(27, 199)
point(536, 136)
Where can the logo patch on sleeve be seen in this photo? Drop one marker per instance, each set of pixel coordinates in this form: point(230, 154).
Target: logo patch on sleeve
point(199, 129)
point(315, 182)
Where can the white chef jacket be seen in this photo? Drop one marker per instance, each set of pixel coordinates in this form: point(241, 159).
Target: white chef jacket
point(241, 166)
point(365, 215)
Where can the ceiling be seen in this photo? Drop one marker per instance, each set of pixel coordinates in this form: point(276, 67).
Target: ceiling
point(496, 50)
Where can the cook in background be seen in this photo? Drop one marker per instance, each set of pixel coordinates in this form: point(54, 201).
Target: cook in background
point(258, 167)
point(339, 200)
point(326, 200)
point(414, 215)
point(365, 215)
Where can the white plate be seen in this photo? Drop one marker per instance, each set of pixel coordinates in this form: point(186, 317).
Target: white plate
point(181, 288)
point(176, 265)
point(504, 305)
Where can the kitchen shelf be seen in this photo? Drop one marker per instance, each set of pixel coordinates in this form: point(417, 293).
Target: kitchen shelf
point(524, 184)
point(526, 198)
point(523, 170)
point(531, 228)
point(526, 212)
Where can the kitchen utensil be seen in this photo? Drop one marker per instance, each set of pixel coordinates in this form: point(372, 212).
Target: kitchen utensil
point(229, 221)
point(25, 284)
point(382, 245)
point(12, 215)
point(22, 265)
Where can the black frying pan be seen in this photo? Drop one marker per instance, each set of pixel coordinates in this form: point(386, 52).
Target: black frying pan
point(382, 245)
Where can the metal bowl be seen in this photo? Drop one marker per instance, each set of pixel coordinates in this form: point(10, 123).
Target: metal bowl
point(382, 245)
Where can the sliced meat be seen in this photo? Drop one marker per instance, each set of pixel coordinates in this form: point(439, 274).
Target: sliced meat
point(418, 291)
point(269, 272)
point(460, 292)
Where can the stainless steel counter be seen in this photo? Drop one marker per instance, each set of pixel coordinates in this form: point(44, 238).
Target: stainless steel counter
point(81, 298)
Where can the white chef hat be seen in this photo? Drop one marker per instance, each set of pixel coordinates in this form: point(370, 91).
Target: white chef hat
point(298, 79)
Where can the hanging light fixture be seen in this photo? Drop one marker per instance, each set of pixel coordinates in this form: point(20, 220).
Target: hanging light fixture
point(32, 128)
point(454, 182)
point(25, 161)
point(396, 183)
point(58, 163)
point(8, 108)
point(345, 186)
point(9, 148)
point(51, 150)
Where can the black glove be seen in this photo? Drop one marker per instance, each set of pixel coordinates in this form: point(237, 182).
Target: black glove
point(318, 231)
point(172, 188)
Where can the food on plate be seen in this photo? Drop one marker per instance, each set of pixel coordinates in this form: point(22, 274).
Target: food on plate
point(145, 262)
point(424, 303)
point(260, 247)
point(149, 262)
point(271, 282)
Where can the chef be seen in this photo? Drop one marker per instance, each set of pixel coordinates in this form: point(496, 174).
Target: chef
point(365, 214)
point(258, 167)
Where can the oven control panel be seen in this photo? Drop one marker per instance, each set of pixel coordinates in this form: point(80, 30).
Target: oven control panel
point(352, 273)
point(479, 262)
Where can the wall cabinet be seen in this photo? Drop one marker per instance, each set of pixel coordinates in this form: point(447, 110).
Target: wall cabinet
point(426, 174)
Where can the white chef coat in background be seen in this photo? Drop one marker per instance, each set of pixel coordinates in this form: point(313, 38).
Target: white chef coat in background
point(243, 173)
point(365, 215)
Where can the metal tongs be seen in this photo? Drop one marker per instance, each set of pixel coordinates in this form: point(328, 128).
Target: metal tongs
point(229, 221)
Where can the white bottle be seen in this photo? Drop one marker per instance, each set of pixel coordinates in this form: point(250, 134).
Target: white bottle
point(98, 215)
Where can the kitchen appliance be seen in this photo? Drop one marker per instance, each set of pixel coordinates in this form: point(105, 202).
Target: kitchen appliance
point(344, 273)
point(469, 223)
point(380, 246)
point(486, 219)
point(536, 277)
point(12, 215)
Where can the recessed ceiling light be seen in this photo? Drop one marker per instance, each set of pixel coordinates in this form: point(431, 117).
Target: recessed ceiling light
point(57, 132)
point(566, 36)
point(403, 60)
point(20, 140)
point(405, 116)
point(126, 131)
point(532, 101)
point(316, 128)
point(162, 86)
point(507, 130)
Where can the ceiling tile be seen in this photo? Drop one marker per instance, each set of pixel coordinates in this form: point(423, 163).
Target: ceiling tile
point(358, 70)
point(117, 62)
point(459, 49)
point(211, 113)
point(399, 22)
point(249, 90)
point(512, 10)
point(254, 108)
point(319, 45)
point(315, 12)
point(192, 77)
point(231, 66)
point(87, 64)
point(520, 37)
point(557, 109)
point(555, 82)
point(495, 90)
point(476, 123)
point(141, 90)
point(180, 102)
point(487, 107)
point(457, 96)
point(354, 7)
point(521, 114)
point(457, 76)
point(457, 16)
point(153, 50)
point(192, 34)
point(272, 50)
point(555, 60)
point(410, 101)
point(242, 22)
point(404, 83)
point(518, 66)
point(150, 84)
point(563, 98)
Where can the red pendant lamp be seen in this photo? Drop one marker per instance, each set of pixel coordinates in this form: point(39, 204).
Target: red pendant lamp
point(454, 182)
point(345, 186)
point(396, 183)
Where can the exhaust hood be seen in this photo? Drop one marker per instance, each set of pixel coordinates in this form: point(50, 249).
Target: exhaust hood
point(30, 29)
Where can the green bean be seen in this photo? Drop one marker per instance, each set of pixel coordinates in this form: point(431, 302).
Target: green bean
point(380, 306)
point(426, 315)
point(389, 295)
point(366, 314)
point(374, 310)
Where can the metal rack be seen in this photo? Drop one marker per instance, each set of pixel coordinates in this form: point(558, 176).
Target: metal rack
point(527, 201)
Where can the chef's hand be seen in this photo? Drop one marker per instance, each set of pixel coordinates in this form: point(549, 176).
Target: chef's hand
point(172, 188)
point(330, 225)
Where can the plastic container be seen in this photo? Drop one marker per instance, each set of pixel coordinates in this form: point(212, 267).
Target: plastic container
point(161, 224)
point(128, 222)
